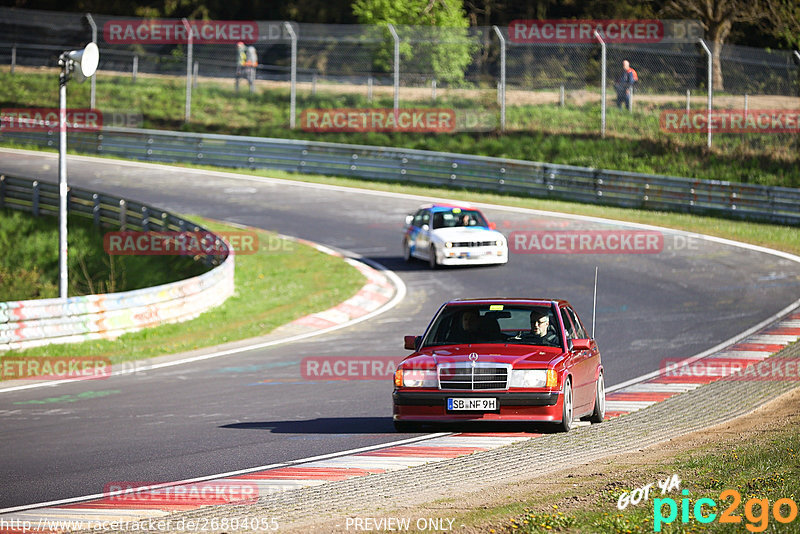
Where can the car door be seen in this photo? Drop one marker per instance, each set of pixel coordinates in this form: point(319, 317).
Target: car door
point(582, 368)
point(423, 240)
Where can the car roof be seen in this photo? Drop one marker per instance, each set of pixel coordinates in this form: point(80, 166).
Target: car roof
point(448, 206)
point(509, 300)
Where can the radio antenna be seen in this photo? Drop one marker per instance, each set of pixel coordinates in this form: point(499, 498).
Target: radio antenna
point(594, 305)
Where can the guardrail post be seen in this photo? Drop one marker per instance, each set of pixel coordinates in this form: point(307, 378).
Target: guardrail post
point(35, 199)
point(602, 84)
point(123, 214)
point(2, 191)
point(502, 87)
point(396, 39)
point(292, 76)
point(96, 209)
point(145, 219)
point(710, 67)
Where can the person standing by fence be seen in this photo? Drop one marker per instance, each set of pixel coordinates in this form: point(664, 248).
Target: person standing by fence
point(250, 65)
point(241, 61)
point(624, 85)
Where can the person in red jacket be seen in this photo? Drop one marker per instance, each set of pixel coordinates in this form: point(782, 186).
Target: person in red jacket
point(624, 85)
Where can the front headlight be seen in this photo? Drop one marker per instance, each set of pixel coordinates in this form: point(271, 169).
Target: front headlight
point(448, 245)
point(416, 378)
point(528, 378)
point(499, 243)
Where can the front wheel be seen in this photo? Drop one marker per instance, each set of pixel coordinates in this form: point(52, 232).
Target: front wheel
point(406, 251)
point(566, 407)
point(599, 413)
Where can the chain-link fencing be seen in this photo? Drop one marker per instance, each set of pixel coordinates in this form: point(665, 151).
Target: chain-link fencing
point(479, 78)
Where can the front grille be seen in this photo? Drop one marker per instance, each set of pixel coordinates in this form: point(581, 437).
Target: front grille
point(474, 244)
point(466, 377)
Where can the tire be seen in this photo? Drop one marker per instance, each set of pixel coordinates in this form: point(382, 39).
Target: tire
point(567, 408)
point(406, 427)
point(406, 251)
point(599, 413)
point(432, 258)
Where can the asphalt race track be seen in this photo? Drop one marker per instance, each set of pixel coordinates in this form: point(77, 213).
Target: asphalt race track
point(254, 409)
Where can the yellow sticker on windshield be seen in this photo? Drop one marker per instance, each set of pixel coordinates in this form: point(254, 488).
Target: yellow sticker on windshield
point(496, 307)
point(456, 210)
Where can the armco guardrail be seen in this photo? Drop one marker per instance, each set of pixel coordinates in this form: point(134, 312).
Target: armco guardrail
point(31, 323)
point(544, 180)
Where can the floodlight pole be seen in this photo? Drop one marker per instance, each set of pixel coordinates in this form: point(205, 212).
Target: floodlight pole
point(94, 40)
point(62, 177)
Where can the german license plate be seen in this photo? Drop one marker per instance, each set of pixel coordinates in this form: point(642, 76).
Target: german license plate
point(472, 404)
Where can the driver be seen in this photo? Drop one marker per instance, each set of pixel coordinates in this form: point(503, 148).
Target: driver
point(540, 333)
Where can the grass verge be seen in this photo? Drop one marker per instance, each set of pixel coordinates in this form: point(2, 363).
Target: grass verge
point(761, 463)
point(535, 132)
point(31, 271)
point(273, 287)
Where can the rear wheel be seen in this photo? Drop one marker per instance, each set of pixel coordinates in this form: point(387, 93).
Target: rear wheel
point(566, 407)
point(432, 258)
point(406, 251)
point(599, 413)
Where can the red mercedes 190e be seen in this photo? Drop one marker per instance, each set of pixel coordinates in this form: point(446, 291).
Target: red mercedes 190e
point(503, 359)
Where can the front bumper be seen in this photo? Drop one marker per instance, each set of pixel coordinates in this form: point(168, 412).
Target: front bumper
point(512, 406)
point(472, 256)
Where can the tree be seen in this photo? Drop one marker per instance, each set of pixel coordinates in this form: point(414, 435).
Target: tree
point(433, 35)
point(718, 17)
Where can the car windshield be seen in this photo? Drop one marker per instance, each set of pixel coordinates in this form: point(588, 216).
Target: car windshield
point(494, 323)
point(457, 217)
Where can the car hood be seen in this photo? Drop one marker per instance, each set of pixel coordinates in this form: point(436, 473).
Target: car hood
point(517, 355)
point(467, 233)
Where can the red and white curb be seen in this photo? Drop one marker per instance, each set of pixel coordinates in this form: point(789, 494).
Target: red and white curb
point(694, 372)
point(151, 505)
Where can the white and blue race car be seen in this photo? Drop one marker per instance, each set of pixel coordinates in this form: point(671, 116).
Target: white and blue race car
point(444, 234)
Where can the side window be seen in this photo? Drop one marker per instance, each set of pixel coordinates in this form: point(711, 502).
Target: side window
point(418, 218)
point(579, 330)
point(568, 326)
point(426, 218)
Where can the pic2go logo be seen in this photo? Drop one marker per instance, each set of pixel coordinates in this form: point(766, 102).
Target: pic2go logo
point(756, 511)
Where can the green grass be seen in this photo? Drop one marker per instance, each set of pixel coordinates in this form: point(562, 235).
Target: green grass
point(274, 286)
point(29, 265)
point(766, 467)
point(546, 133)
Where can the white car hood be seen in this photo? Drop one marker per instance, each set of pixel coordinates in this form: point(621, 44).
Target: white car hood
point(466, 233)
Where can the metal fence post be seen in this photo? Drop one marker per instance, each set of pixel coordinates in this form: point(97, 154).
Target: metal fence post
point(188, 110)
point(135, 68)
point(94, 40)
point(13, 58)
point(396, 39)
point(502, 87)
point(292, 75)
point(195, 73)
point(688, 101)
point(369, 88)
point(797, 55)
point(561, 96)
point(745, 104)
point(710, 88)
point(602, 84)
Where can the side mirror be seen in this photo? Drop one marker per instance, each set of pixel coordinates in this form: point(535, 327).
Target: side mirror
point(411, 342)
point(581, 344)
point(409, 219)
point(492, 226)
